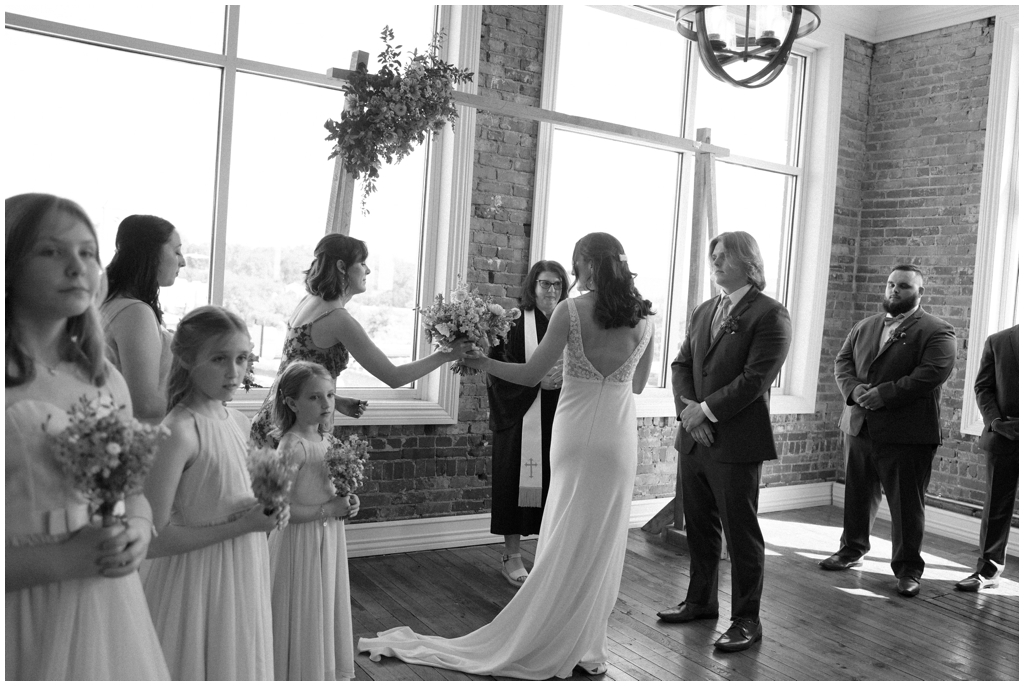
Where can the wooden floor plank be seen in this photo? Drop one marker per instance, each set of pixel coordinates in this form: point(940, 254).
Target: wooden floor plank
point(818, 625)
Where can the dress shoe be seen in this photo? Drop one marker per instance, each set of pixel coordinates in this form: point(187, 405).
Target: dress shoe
point(975, 582)
point(838, 562)
point(741, 635)
point(908, 586)
point(687, 612)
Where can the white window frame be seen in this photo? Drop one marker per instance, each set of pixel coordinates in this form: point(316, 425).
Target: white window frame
point(811, 240)
point(997, 259)
point(445, 236)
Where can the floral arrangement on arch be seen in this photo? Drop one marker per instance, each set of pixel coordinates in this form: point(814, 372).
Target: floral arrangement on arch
point(388, 111)
point(469, 315)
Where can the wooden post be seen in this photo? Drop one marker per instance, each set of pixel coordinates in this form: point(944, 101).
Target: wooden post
point(704, 216)
point(343, 186)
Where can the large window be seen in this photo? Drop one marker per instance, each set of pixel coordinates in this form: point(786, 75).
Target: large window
point(213, 118)
point(642, 193)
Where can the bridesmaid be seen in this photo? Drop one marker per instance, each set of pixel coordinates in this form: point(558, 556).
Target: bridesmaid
point(75, 606)
point(148, 258)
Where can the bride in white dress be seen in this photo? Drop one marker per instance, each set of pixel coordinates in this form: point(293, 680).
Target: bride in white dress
point(559, 618)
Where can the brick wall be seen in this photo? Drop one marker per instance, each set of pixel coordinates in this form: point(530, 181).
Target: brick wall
point(911, 142)
point(925, 142)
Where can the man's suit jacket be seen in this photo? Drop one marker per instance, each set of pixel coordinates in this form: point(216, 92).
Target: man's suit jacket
point(733, 372)
point(996, 387)
point(908, 370)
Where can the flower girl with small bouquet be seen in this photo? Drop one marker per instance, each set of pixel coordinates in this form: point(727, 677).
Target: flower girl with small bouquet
point(308, 559)
point(209, 585)
point(75, 605)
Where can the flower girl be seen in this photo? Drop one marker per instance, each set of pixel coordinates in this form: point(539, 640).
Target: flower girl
point(308, 559)
point(209, 588)
point(75, 606)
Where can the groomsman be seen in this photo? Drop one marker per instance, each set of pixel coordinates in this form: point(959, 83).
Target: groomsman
point(890, 371)
point(734, 348)
point(996, 388)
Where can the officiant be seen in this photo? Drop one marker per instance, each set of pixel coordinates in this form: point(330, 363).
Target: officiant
point(521, 420)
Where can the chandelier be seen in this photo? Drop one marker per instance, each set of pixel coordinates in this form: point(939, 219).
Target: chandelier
point(725, 35)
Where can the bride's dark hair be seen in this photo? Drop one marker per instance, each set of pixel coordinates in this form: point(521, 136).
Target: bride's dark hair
point(619, 303)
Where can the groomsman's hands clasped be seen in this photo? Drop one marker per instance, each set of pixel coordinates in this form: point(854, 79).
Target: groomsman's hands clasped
point(696, 423)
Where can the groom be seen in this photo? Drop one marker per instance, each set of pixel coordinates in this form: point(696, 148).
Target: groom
point(734, 348)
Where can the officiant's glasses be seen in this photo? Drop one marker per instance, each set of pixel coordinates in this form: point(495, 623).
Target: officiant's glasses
point(550, 285)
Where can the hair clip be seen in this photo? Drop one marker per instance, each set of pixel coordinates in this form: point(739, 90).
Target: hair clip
point(622, 257)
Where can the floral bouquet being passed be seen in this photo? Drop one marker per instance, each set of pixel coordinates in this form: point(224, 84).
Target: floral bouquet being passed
point(346, 462)
point(103, 452)
point(272, 475)
point(466, 315)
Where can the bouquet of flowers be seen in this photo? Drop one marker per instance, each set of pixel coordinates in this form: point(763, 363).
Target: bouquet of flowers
point(272, 475)
point(249, 380)
point(103, 452)
point(467, 314)
point(346, 463)
point(389, 110)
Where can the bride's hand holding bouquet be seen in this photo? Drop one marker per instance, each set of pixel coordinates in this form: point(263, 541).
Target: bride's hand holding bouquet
point(467, 317)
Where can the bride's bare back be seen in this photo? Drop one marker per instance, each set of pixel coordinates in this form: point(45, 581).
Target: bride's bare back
point(607, 349)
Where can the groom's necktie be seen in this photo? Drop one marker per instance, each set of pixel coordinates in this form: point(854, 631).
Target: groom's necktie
point(723, 311)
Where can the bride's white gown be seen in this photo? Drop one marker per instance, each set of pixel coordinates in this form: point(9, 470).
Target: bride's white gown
point(559, 618)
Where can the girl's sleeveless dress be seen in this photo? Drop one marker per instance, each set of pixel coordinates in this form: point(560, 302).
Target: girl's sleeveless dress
point(108, 312)
point(559, 617)
point(80, 629)
point(211, 606)
point(298, 345)
point(309, 567)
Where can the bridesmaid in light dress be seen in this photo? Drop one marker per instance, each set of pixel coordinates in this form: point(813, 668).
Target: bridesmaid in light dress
point(74, 603)
point(209, 586)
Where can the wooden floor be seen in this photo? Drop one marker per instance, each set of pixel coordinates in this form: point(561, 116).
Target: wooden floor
point(817, 625)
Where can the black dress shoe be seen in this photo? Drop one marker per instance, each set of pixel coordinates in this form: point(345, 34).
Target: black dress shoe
point(741, 635)
point(908, 586)
point(687, 612)
point(975, 582)
point(837, 562)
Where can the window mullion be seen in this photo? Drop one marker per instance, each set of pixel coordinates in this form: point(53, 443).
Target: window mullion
point(218, 247)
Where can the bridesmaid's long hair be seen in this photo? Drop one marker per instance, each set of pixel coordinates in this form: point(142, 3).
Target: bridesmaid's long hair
point(84, 343)
point(323, 278)
point(195, 330)
point(619, 303)
point(133, 270)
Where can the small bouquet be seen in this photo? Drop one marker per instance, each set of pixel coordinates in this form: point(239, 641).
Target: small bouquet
point(466, 315)
point(390, 110)
point(103, 452)
point(272, 476)
point(346, 463)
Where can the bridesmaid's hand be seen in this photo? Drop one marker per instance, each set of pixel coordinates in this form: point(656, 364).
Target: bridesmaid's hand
point(460, 349)
point(256, 520)
point(82, 555)
point(351, 407)
point(125, 552)
point(353, 506)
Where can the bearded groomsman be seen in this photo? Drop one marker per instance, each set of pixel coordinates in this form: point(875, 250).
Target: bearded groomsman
point(890, 371)
point(998, 393)
point(735, 346)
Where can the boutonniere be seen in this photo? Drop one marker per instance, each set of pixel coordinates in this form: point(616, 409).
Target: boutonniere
point(729, 325)
point(896, 336)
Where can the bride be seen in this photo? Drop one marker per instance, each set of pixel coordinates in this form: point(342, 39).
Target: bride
point(559, 618)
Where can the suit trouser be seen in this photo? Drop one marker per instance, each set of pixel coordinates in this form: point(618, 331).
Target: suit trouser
point(719, 497)
point(904, 471)
point(1003, 476)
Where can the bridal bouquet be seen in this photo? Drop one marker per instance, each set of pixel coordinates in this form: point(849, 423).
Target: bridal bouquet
point(469, 315)
point(346, 463)
point(272, 475)
point(103, 452)
point(387, 111)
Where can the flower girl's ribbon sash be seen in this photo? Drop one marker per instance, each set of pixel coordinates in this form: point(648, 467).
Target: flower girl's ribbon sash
point(530, 483)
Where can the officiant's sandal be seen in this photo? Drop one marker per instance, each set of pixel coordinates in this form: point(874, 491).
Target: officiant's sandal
point(515, 573)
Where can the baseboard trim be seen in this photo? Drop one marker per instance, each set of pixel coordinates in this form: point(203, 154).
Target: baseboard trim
point(384, 538)
point(959, 527)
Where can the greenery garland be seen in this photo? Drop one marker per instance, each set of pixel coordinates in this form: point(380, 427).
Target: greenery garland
point(387, 111)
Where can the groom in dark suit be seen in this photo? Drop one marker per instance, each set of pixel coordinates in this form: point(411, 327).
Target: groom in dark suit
point(734, 348)
point(998, 392)
point(890, 371)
